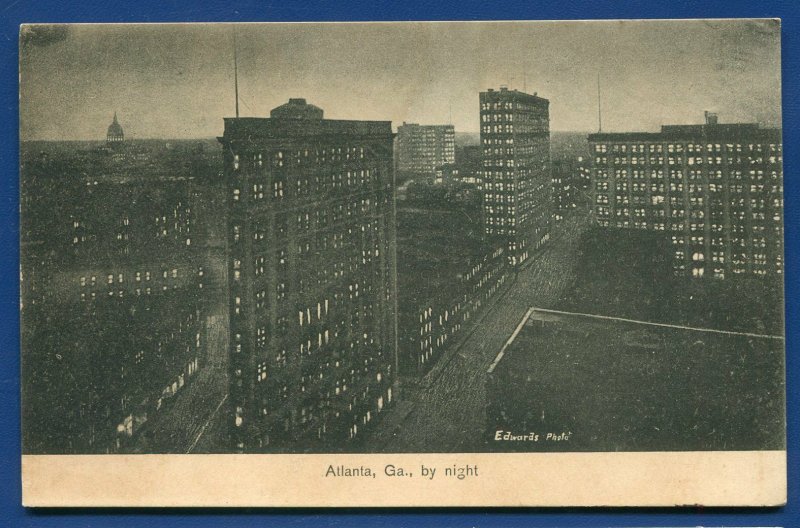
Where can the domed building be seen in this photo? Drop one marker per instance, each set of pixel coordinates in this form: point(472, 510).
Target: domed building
point(115, 133)
point(296, 109)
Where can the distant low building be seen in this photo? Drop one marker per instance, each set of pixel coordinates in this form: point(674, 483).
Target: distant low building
point(447, 172)
point(423, 148)
point(465, 169)
point(716, 190)
point(469, 160)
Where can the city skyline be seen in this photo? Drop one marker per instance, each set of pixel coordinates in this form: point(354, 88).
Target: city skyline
point(177, 81)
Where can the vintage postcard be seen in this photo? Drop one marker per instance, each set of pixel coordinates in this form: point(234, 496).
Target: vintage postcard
point(402, 264)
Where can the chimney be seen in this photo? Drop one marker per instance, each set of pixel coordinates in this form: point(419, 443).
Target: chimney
point(711, 118)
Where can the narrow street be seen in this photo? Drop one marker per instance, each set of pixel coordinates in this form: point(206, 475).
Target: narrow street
point(448, 414)
point(178, 428)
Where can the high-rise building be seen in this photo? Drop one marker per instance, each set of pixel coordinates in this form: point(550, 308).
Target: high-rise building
point(716, 190)
point(311, 231)
point(113, 310)
point(517, 194)
point(423, 148)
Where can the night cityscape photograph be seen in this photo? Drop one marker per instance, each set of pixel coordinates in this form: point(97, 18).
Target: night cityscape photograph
point(455, 237)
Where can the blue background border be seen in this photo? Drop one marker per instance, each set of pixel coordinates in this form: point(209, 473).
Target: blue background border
point(15, 12)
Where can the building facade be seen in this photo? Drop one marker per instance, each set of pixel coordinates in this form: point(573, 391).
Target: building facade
point(423, 148)
point(566, 181)
point(448, 275)
point(430, 326)
point(112, 303)
point(517, 186)
point(716, 190)
point(312, 277)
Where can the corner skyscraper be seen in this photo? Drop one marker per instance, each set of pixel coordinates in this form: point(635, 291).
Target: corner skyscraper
point(715, 190)
point(311, 269)
point(517, 202)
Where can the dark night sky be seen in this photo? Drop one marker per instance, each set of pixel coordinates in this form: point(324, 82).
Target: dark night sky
point(176, 81)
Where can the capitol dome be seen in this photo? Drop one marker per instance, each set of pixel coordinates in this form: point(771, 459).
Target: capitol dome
point(115, 133)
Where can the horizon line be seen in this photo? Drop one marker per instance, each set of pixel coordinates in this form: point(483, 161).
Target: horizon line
point(193, 138)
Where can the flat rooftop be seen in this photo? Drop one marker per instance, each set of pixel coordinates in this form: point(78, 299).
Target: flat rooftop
point(710, 132)
point(623, 385)
point(270, 128)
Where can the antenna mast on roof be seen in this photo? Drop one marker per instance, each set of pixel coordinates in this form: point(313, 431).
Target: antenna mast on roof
point(599, 108)
point(525, 81)
point(235, 73)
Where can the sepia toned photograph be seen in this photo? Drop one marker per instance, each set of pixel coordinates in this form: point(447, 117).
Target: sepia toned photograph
point(341, 239)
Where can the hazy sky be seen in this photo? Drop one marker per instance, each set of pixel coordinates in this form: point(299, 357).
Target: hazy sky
point(174, 81)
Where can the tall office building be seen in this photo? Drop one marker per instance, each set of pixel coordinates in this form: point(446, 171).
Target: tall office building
point(311, 234)
point(716, 190)
point(423, 148)
point(517, 193)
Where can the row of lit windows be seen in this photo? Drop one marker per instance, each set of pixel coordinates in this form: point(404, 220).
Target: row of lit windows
point(690, 147)
point(693, 160)
point(337, 181)
point(677, 175)
point(320, 156)
point(137, 292)
point(119, 278)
